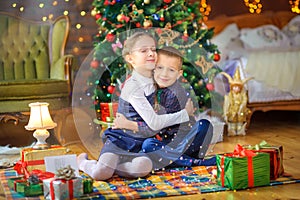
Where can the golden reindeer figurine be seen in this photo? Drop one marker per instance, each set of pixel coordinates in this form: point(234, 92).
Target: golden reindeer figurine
point(235, 104)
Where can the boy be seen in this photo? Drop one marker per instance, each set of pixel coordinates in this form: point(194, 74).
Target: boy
point(183, 144)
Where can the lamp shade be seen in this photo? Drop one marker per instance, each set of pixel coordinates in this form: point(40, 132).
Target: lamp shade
point(40, 117)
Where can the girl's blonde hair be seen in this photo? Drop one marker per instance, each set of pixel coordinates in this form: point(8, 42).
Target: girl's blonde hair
point(130, 43)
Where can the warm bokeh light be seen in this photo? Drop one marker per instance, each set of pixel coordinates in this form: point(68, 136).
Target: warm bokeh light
point(22, 9)
point(78, 26)
point(54, 3)
point(254, 6)
point(14, 5)
point(205, 9)
point(50, 16)
point(75, 49)
point(294, 6)
point(80, 39)
point(66, 12)
point(41, 5)
point(44, 18)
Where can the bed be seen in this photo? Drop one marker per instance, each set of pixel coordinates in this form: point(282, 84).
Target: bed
point(267, 48)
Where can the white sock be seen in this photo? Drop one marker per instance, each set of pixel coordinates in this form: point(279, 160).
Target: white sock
point(138, 167)
point(102, 169)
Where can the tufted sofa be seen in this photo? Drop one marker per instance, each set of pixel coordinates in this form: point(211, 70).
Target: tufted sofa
point(33, 64)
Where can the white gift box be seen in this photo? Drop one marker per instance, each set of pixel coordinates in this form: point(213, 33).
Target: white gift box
point(59, 189)
point(218, 129)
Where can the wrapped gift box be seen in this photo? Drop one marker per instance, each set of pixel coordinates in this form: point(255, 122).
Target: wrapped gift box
point(108, 111)
point(218, 129)
point(60, 189)
point(12, 182)
point(29, 190)
point(34, 159)
point(243, 170)
point(87, 184)
point(276, 157)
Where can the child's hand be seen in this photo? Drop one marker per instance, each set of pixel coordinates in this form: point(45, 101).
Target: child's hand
point(189, 107)
point(120, 121)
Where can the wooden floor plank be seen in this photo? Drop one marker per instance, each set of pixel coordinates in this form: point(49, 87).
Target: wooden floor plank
point(276, 127)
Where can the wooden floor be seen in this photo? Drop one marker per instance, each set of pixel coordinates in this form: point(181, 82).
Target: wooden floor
point(276, 127)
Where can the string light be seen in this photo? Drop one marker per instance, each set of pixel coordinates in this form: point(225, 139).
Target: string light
point(295, 6)
point(254, 6)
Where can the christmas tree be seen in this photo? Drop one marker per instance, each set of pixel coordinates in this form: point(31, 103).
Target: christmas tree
point(172, 22)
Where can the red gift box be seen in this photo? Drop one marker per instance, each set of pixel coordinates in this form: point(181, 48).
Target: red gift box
point(276, 157)
point(108, 111)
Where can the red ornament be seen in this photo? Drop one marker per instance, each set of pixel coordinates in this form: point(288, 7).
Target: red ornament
point(110, 37)
point(167, 1)
point(138, 25)
point(217, 57)
point(111, 89)
point(97, 16)
point(210, 86)
point(94, 64)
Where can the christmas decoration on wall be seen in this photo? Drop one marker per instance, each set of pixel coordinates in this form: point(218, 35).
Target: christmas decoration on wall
point(171, 22)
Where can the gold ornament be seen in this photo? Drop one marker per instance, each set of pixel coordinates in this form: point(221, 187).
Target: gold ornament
point(167, 36)
point(135, 12)
point(147, 23)
point(120, 17)
point(204, 64)
point(93, 12)
point(146, 1)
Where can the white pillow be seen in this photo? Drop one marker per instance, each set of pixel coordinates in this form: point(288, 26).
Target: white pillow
point(265, 37)
point(292, 30)
point(235, 49)
point(224, 38)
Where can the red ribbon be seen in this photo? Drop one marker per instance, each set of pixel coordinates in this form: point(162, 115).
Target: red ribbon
point(239, 151)
point(70, 187)
point(42, 174)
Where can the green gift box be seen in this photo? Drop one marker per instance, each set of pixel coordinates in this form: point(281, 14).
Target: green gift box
point(29, 190)
point(243, 169)
point(12, 182)
point(87, 185)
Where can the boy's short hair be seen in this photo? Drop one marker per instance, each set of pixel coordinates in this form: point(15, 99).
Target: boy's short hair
point(171, 51)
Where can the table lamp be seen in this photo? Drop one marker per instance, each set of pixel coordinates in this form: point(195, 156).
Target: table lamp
point(40, 120)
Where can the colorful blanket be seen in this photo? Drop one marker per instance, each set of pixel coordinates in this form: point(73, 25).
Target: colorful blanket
point(170, 182)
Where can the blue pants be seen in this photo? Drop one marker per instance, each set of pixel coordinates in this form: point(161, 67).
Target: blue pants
point(187, 149)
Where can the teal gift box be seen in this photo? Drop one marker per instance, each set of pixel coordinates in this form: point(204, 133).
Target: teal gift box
point(243, 169)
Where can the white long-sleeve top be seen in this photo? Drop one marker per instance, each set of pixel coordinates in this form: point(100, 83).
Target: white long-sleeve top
point(135, 90)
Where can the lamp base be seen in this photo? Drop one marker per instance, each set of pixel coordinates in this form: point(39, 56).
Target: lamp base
point(41, 135)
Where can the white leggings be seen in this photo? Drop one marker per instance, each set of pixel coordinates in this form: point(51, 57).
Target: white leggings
point(108, 165)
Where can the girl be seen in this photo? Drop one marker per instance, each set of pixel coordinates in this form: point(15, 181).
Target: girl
point(187, 141)
point(121, 152)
